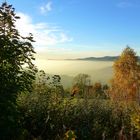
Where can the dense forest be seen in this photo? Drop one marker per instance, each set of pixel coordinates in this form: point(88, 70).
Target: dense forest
point(35, 106)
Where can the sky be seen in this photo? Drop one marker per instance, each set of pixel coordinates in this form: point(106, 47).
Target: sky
point(79, 28)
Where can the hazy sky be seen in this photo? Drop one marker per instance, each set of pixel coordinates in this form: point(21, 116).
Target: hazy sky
point(80, 28)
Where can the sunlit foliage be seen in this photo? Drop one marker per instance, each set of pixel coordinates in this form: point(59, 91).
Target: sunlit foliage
point(16, 70)
point(126, 80)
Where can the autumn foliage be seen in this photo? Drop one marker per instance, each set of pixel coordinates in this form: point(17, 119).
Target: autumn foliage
point(126, 80)
point(35, 106)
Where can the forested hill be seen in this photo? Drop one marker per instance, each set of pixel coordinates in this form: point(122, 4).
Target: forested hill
point(105, 58)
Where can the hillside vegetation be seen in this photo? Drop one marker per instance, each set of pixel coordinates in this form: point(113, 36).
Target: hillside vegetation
point(35, 106)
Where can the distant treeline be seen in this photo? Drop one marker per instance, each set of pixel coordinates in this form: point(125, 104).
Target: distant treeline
point(104, 58)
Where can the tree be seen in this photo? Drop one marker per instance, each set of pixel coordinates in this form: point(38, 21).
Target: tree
point(126, 80)
point(99, 90)
point(16, 69)
point(80, 82)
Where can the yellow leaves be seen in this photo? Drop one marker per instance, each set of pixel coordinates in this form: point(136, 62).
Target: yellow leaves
point(70, 135)
point(135, 122)
point(126, 76)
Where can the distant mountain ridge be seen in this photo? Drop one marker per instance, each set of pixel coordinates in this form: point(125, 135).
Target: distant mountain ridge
point(104, 58)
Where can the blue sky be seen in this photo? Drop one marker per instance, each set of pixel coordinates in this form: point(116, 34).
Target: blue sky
point(80, 28)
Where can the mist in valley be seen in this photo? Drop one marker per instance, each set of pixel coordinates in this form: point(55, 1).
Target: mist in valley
point(99, 71)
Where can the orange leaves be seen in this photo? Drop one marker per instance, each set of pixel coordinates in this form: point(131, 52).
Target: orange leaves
point(74, 91)
point(125, 82)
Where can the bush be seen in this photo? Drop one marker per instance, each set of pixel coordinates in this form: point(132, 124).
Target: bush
point(48, 116)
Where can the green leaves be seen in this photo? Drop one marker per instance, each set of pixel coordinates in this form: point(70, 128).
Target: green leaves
point(17, 71)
